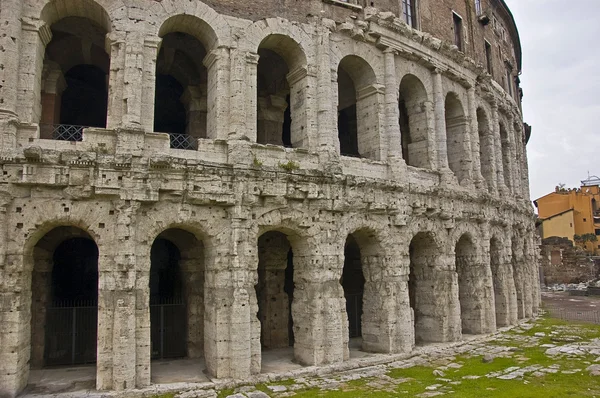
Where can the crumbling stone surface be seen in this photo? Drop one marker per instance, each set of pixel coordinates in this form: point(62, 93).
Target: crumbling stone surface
point(563, 262)
point(443, 241)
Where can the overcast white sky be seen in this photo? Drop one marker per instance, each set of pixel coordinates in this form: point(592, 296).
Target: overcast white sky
point(561, 83)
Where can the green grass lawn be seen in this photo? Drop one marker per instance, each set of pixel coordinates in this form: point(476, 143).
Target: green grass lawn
point(476, 379)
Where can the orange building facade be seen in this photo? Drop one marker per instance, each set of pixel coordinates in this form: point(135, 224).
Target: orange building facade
point(570, 212)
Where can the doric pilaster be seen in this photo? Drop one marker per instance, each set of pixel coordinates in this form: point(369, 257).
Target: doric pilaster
point(218, 64)
point(440, 120)
point(474, 139)
point(495, 127)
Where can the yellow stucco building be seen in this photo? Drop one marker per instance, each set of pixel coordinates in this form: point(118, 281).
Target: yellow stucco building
point(570, 212)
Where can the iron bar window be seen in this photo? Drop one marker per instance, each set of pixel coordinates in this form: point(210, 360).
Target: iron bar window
point(409, 12)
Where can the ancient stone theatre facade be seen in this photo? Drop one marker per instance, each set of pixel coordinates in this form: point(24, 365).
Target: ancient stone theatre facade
point(214, 179)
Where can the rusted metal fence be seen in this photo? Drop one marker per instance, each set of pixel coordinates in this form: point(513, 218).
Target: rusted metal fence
point(71, 330)
point(567, 314)
point(168, 332)
point(354, 310)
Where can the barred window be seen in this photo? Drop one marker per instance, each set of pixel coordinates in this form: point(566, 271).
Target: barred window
point(409, 14)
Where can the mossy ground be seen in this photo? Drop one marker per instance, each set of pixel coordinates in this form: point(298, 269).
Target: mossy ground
point(468, 376)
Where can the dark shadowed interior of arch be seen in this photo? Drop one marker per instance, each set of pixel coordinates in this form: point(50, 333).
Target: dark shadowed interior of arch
point(275, 290)
point(486, 146)
point(180, 106)
point(274, 118)
point(422, 252)
point(456, 135)
point(501, 305)
point(84, 101)
point(353, 283)
point(167, 306)
point(469, 282)
point(74, 79)
point(347, 118)
point(413, 121)
point(64, 299)
point(169, 111)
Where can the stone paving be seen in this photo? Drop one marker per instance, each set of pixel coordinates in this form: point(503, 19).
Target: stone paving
point(569, 353)
point(516, 354)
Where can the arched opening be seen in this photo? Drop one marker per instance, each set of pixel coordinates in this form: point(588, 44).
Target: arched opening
point(64, 305)
point(456, 137)
point(432, 293)
point(504, 139)
point(504, 285)
point(176, 303)
point(358, 109)
point(281, 91)
point(275, 292)
point(414, 122)
point(519, 275)
point(353, 283)
point(471, 287)
point(74, 79)
point(486, 147)
point(180, 106)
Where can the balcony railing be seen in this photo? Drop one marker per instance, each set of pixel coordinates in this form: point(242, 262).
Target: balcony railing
point(183, 141)
point(62, 132)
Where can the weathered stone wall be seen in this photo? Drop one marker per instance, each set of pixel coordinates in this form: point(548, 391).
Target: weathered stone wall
point(563, 262)
point(446, 242)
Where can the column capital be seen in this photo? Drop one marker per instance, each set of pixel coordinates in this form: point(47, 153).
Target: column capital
point(252, 58)
point(215, 55)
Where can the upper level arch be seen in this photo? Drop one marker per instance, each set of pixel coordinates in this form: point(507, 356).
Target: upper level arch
point(93, 10)
point(194, 18)
point(282, 82)
point(360, 98)
point(415, 118)
point(191, 25)
point(293, 44)
point(457, 139)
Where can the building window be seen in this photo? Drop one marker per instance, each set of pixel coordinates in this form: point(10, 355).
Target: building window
point(478, 9)
point(585, 220)
point(458, 32)
point(488, 57)
point(409, 14)
point(597, 231)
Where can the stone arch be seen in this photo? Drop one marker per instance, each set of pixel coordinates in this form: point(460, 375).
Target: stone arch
point(93, 10)
point(283, 261)
point(360, 98)
point(64, 287)
point(519, 272)
point(152, 230)
point(414, 121)
point(194, 18)
point(503, 282)
point(259, 32)
point(73, 69)
point(191, 25)
point(374, 291)
point(456, 136)
point(282, 86)
point(486, 147)
point(474, 287)
point(176, 282)
point(182, 80)
point(432, 291)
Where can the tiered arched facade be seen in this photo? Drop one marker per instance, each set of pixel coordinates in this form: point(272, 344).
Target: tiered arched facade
point(304, 184)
